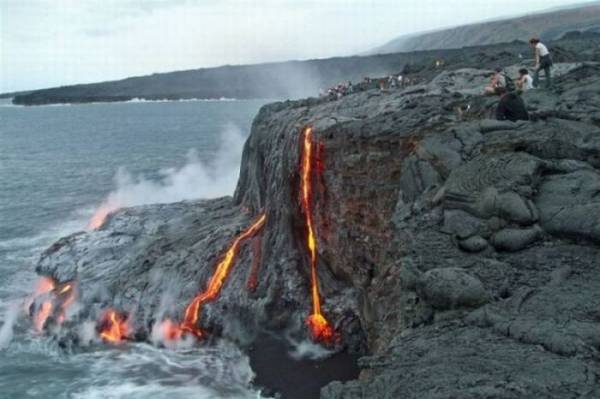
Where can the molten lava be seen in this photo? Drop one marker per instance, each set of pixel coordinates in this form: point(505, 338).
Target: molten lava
point(113, 326)
point(320, 328)
point(99, 217)
point(56, 298)
point(192, 312)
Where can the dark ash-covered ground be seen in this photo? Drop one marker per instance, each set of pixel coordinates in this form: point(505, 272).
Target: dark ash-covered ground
point(458, 254)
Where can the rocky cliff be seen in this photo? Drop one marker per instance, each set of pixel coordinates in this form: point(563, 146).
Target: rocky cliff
point(456, 253)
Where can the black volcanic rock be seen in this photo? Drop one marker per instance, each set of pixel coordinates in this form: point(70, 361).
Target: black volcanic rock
point(459, 253)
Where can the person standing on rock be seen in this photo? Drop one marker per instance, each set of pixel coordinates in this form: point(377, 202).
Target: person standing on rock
point(542, 61)
point(511, 106)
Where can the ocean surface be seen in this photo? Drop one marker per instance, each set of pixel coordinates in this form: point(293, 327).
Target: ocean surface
point(57, 165)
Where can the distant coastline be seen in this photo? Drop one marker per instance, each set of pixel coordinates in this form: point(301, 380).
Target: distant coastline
point(7, 102)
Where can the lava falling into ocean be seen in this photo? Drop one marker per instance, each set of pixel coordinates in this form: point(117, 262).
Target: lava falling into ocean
point(101, 214)
point(114, 327)
point(192, 311)
point(54, 298)
point(320, 328)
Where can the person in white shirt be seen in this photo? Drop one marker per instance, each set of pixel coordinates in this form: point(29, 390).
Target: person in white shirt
point(525, 81)
point(542, 61)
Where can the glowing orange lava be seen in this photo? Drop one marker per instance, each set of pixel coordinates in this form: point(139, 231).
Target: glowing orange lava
point(54, 294)
point(319, 327)
point(99, 217)
point(113, 327)
point(42, 315)
point(192, 312)
point(67, 292)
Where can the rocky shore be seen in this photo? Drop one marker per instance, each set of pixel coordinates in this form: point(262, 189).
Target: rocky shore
point(458, 255)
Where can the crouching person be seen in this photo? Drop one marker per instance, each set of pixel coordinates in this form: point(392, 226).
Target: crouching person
point(511, 107)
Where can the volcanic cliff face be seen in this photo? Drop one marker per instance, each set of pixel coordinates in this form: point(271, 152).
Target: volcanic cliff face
point(459, 252)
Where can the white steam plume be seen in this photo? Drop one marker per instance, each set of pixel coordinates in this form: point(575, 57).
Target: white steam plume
point(194, 180)
point(6, 331)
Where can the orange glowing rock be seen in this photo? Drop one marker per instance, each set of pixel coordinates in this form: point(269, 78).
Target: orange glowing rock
point(192, 312)
point(113, 327)
point(318, 325)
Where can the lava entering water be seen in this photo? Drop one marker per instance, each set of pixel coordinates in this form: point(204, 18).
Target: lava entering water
point(192, 312)
point(320, 328)
point(99, 217)
point(113, 326)
point(54, 294)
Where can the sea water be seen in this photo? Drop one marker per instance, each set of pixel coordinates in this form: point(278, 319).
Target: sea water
point(57, 165)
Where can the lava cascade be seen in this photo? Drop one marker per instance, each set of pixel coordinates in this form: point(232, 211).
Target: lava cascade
point(320, 328)
point(113, 326)
point(192, 311)
point(54, 294)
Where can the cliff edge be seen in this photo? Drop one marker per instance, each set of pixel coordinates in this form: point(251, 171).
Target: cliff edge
point(456, 253)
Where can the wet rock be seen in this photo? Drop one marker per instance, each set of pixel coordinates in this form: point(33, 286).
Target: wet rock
point(450, 288)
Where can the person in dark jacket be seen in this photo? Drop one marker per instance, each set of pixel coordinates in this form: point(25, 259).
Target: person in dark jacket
point(511, 107)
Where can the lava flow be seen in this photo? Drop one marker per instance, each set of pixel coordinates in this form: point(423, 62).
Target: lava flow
point(192, 312)
point(320, 328)
point(54, 294)
point(99, 217)
point(113, 326)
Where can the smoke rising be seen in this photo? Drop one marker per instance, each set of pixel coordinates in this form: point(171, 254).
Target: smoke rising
point(195, 180)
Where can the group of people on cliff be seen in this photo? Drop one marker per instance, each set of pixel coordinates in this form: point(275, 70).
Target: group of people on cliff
point(511, 105)
point(338, 91)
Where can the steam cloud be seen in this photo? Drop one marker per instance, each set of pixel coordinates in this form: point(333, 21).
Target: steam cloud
point(6, 331)
point(196, 179)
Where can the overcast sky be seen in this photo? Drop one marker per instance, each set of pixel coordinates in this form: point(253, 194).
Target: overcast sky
point(46, 43)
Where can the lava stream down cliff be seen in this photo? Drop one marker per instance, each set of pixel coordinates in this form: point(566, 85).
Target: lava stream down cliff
point(319, 327)
point(192, 312)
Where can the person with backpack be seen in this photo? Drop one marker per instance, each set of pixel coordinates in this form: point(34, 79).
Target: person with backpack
point(543, 60)
point(499, 80)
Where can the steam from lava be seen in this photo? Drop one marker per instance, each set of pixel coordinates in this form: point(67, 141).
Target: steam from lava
point(320, 328)
point(196, 179)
